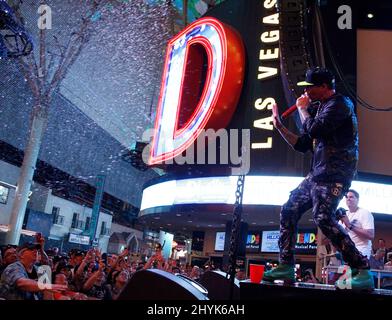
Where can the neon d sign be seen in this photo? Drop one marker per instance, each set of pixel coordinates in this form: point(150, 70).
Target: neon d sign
point(181, 115)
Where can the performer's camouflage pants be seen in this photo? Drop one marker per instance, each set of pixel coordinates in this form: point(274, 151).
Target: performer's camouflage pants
point(324, 199)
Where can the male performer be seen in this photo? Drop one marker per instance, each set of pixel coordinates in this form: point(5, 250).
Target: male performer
point(330, 132)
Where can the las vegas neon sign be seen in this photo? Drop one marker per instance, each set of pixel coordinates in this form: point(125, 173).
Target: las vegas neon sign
point(225, 53)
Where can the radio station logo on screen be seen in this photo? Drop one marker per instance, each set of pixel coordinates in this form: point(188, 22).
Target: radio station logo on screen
point(253, 241)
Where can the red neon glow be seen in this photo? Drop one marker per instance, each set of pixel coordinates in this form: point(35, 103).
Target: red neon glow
point(191, 81)
point(225, 54)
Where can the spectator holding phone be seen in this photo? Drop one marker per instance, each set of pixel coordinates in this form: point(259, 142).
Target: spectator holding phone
point(115, 264)
point(43, 257)
point(120, 279)
point(80, 273)
point(156, 261)
point(96, 286)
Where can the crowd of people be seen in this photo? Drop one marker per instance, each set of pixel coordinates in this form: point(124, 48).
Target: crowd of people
point(28, 272)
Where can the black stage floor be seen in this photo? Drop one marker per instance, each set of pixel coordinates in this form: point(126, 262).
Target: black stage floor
point(307, 291)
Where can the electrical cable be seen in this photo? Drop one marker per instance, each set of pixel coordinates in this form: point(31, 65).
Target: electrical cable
point(351, 92)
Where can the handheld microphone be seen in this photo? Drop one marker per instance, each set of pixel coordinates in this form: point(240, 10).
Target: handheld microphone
point(311, 109)
point(289, 111)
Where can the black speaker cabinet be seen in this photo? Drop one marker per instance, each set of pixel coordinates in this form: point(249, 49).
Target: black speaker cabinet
point(218, 286)
point(154, 284)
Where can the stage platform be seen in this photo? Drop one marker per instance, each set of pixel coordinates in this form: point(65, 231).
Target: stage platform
point(307, 291)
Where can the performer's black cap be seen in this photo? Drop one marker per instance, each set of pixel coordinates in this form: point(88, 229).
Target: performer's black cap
point(317, 76)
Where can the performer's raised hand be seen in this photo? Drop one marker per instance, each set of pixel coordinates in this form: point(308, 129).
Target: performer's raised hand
point(275, 117)
point(303, 102)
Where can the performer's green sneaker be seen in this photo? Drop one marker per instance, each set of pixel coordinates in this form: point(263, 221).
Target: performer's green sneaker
point(362, 280)
point(283, 272)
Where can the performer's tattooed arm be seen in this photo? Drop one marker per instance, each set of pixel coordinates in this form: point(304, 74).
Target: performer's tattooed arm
point(290, 137)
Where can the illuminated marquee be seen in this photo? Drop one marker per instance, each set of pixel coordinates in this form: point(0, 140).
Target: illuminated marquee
point(275, 191)
point(222, 84)
point(267, 69)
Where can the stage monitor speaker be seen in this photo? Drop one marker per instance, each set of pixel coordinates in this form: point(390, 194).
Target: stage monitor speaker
point(218, 285)
point(291, 5)
point(291, 19)
point(154, 284)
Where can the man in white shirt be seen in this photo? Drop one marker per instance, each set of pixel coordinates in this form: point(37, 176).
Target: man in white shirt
point(359, 223)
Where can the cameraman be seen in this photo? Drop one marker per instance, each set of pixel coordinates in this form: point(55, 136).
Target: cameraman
point(358, 222)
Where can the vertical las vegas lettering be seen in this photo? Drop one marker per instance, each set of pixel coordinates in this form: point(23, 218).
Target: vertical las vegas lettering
point(267, 69)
